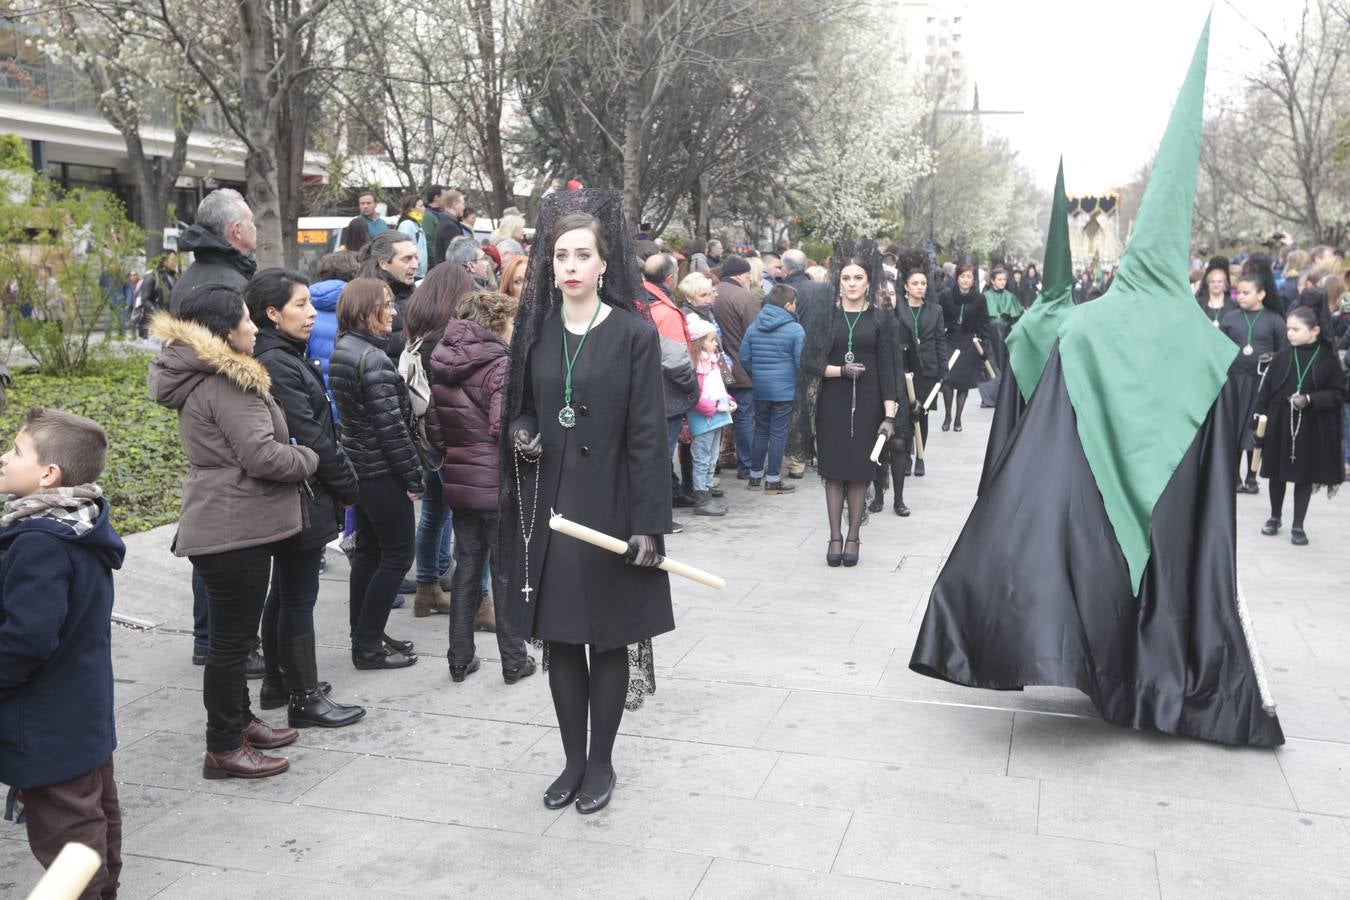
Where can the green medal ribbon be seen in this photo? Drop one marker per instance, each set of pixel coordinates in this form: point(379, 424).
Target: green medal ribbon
point(848, 356)
point(1303, 371)
point(567, 418)
point(914, 313)
point(1247, 348)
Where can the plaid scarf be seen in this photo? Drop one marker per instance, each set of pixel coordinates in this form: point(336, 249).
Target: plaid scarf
point(75, 506)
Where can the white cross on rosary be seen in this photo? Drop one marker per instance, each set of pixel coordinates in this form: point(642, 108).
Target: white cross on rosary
point(527, 591)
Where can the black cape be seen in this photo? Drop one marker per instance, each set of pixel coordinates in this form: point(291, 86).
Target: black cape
point(1037, 592)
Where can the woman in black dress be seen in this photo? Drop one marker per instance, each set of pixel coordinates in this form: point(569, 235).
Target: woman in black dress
point(923, 329)
point(966, 316)
point(1302, 396)
point(587, 440)
point(850, 346)
point(1259, 334)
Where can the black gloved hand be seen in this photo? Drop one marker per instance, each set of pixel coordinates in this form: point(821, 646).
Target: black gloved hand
point(527, 446)
point(887, 427)
point(917, 409)
point(642, 551)
point(1300, 401)
point(853, 370)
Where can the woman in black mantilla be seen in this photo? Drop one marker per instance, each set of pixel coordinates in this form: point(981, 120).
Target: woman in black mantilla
point(966, 317)
point(849, 345)
point(1259, 333)
point(923, 329)
point(587, 440)
point(1302, 396)
point(1215, 294)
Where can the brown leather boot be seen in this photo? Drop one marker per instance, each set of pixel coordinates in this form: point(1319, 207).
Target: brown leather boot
point(430, 600)
point(485, 619)
point(265, 737)
point(242, 762)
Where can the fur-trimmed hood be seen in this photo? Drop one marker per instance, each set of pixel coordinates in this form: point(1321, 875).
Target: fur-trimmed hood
point(192, 353)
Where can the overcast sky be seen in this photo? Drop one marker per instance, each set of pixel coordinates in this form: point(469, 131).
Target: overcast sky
point(1096, 79)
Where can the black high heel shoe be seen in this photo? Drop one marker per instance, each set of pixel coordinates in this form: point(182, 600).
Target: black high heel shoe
point(851, 559)
point(834, 559)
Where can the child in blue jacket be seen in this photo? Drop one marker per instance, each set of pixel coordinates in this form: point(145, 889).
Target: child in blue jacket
point(771, 352)
point(56, 680)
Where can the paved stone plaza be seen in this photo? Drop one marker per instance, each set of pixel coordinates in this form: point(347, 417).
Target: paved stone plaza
point(788, 751)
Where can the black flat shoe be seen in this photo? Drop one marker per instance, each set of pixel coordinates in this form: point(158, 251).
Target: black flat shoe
point(1298, 537)
point(459, 673)
point(381, 660)
point(878, 502)
point(834, 559)
point(947, 424)
point(586, 804)
point(851, 559)
point(556, 798)
point(956, 426)
point(901, 509)
point(393, 646)
point(1272, 526)
point(918, 468)
point(511, 676)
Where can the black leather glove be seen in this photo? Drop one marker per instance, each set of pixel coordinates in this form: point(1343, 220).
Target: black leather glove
point(527, 446)
point(1300, 401)
point(887, 427)
point(917, 409)
point(642, 551)
point(853, 370)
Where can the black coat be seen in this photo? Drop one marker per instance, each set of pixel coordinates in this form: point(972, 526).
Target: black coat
point(297, 387)
point(1317, 451)
point(611, 472)
point(372, 402)
point(967, 317)
point(930, 345)
point(447, 229)
point(214, 262)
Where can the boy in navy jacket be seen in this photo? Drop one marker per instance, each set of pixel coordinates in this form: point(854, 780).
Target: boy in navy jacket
point(57, 553)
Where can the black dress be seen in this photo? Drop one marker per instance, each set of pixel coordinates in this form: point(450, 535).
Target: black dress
point(1266, 331)
point(967, 317)
point(610, 472)
point(1303, 447)
point(844, 436)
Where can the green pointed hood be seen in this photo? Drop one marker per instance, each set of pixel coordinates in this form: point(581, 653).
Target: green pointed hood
point(1142, 366)
point(1030, 343)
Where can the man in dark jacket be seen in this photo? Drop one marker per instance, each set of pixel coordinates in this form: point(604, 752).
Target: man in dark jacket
point(57, 553)
point(450, 226)
point(812, 298)
point(772, 353)
point(221, 243)
point(735, 308)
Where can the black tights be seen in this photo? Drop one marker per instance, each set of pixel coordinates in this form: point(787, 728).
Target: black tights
point(834, 506)
point(960, 402)
point(1302, 495)
point(1251, 473)
point(894, 456)
point(601, 691)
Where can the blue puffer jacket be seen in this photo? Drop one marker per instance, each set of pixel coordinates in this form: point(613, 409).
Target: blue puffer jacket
point(325, 295)
point(56, 678)
point(771, 352)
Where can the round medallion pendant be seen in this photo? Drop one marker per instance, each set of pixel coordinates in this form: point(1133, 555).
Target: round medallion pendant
point(1247, 350)
point(567, 418)
point(849, 357)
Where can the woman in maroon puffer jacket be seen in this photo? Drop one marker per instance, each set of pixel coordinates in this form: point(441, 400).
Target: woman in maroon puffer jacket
point(468, 372)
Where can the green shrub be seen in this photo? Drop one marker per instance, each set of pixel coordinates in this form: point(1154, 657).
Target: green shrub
point(143, 480)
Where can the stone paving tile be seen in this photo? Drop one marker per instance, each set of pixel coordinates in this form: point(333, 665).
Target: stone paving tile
point(1249, 834)
point(1093, 752)
point(175, 761)
point(873, 728)
point(1183, 877)
point(739, 622)
point(141, 879)
point(804, 660)
point(232, 832)
point(203, 883)
point(996, 863)
point(729, 827)
point(1319, 775)
point(730, 880)
point(668, 765)
point(703, 711)
point(453, 861)
point(433, 792)
point(1315, 713)
point(914, 792)
point(430, 738)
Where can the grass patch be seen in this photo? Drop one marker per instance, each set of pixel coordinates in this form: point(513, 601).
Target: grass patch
point(143, 479)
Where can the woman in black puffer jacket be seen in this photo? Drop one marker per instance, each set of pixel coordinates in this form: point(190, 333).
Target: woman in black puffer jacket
point(373, 406)
point(279, 303)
